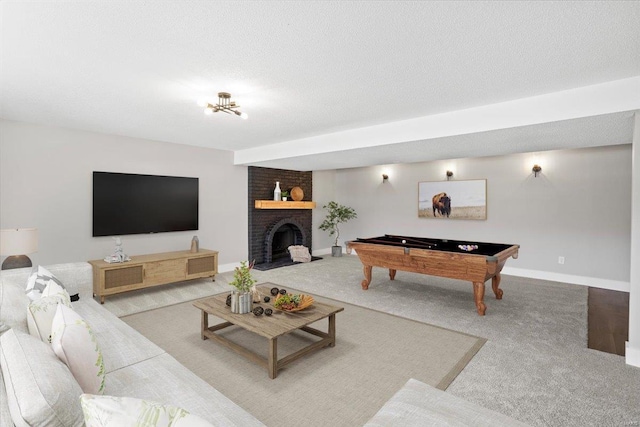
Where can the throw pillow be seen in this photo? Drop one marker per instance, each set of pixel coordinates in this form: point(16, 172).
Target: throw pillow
point(38, 280)
point(103, 411)
point(40, 389)
point(75, 344)
point(40, 312)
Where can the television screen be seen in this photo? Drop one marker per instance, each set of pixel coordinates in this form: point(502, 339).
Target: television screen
point(135, 204)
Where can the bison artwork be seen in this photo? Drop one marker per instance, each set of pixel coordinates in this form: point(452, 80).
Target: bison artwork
point(442, 204)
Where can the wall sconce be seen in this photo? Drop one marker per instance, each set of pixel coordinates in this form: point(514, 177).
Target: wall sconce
point(449, 175)
point(15, 244)
point(385, 178)
point(536, 170)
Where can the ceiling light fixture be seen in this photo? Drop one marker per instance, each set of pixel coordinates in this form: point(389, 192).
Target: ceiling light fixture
point(224, 104)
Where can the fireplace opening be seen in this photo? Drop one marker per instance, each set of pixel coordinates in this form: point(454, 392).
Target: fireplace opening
point(284, 237)
point(281, 235)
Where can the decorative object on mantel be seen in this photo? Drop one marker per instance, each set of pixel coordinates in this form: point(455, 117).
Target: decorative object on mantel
point(285, 194)
point(195, 245)
point(118, 255)
point(338, 214)
point(225, 104)
point(15, 243)
point(242, 296)
point(299, 253)
point(297, 194)
point(277, 194)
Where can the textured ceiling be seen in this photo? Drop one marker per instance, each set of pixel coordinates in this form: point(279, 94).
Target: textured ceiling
point(303, 69)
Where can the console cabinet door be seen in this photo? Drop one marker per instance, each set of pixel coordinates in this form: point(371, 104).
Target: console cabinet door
point(160, 272)
point(205, 266)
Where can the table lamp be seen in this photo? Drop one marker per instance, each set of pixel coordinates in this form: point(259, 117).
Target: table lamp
point(15, 243)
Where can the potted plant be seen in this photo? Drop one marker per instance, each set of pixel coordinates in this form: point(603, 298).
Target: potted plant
point(241, 297)
point(337, 214)
point(284, 195)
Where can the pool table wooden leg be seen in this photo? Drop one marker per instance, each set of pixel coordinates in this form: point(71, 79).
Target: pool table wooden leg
point(367, 276)
point(478, 293)
point(392, 274)
point(495, 284)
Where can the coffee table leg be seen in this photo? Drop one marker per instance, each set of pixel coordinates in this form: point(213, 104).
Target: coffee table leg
point(273, 358)
point(204, 323)
point(332, 330)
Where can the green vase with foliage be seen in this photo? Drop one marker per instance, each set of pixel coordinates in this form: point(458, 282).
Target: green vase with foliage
point(242, 279)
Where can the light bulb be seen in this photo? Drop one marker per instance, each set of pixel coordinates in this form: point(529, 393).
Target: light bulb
point(202, 102)
point(244, 116)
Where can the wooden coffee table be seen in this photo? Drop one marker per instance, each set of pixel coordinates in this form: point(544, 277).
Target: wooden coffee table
point(270, 327)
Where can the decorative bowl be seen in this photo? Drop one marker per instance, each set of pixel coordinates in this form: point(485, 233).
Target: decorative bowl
point(305, 302)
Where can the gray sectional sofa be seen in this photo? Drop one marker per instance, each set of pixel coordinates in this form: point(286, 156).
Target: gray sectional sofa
point(135, 367)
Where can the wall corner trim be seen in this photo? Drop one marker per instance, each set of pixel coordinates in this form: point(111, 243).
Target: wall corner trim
point(632, 355)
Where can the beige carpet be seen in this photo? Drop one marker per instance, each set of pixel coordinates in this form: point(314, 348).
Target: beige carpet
point(340, 386)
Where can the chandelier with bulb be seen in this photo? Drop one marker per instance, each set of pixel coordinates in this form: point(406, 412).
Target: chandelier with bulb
point(225, 104)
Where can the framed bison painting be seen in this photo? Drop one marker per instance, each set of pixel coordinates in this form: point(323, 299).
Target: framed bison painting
point(453, 199)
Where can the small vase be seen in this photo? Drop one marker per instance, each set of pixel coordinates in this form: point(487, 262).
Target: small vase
point(277, 193)
point(195, 244)
point(284, 199)
point(241, 302)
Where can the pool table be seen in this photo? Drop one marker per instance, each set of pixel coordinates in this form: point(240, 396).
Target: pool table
point(473, 261)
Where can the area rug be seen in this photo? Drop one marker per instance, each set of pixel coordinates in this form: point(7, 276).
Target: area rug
point(375, 354)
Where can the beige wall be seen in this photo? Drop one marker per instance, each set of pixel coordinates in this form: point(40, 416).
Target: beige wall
point(579, 207)
point(46, 182)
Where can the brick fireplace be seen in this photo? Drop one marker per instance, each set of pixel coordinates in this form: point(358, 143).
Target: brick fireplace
point(271, 231)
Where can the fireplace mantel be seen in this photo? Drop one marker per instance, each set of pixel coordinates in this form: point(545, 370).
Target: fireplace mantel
point(272, 204)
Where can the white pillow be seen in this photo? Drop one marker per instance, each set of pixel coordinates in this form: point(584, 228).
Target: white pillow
point(103, 411)
point(40, 389)
point(37, 282)
point(41, 311)
point(75, 344)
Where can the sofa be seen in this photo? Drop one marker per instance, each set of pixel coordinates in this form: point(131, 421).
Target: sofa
point(134, 366)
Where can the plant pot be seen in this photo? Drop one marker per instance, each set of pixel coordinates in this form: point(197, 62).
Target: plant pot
point(284, 199)
point(241, 302)
point(336, 250)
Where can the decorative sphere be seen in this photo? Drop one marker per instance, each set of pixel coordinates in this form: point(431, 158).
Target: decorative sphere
point(283, 291)
point(267, 299)
point(275, 291)
point(228, 300)
point(268, 312)
point(297, 194)
point(258, 311)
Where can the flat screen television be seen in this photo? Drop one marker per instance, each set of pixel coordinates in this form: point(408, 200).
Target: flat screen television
point(137, 204)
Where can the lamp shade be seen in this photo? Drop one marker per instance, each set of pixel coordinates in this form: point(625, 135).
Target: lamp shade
point(18, 241)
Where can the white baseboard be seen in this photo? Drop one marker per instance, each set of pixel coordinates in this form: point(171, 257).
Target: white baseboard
point(614, 285)
point(223, 268)
point(318, 252)
point(632, 355)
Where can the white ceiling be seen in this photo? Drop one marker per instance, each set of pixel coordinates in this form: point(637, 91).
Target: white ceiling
point(317, 77)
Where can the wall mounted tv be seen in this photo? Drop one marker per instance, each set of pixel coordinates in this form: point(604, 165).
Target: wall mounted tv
point(136, 204)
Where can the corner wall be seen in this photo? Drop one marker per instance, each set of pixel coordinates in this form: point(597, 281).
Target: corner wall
point(578, 207)
point(633, 344)
point(46, 182)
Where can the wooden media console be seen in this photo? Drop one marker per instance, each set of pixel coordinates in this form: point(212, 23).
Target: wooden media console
point(144, 271)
